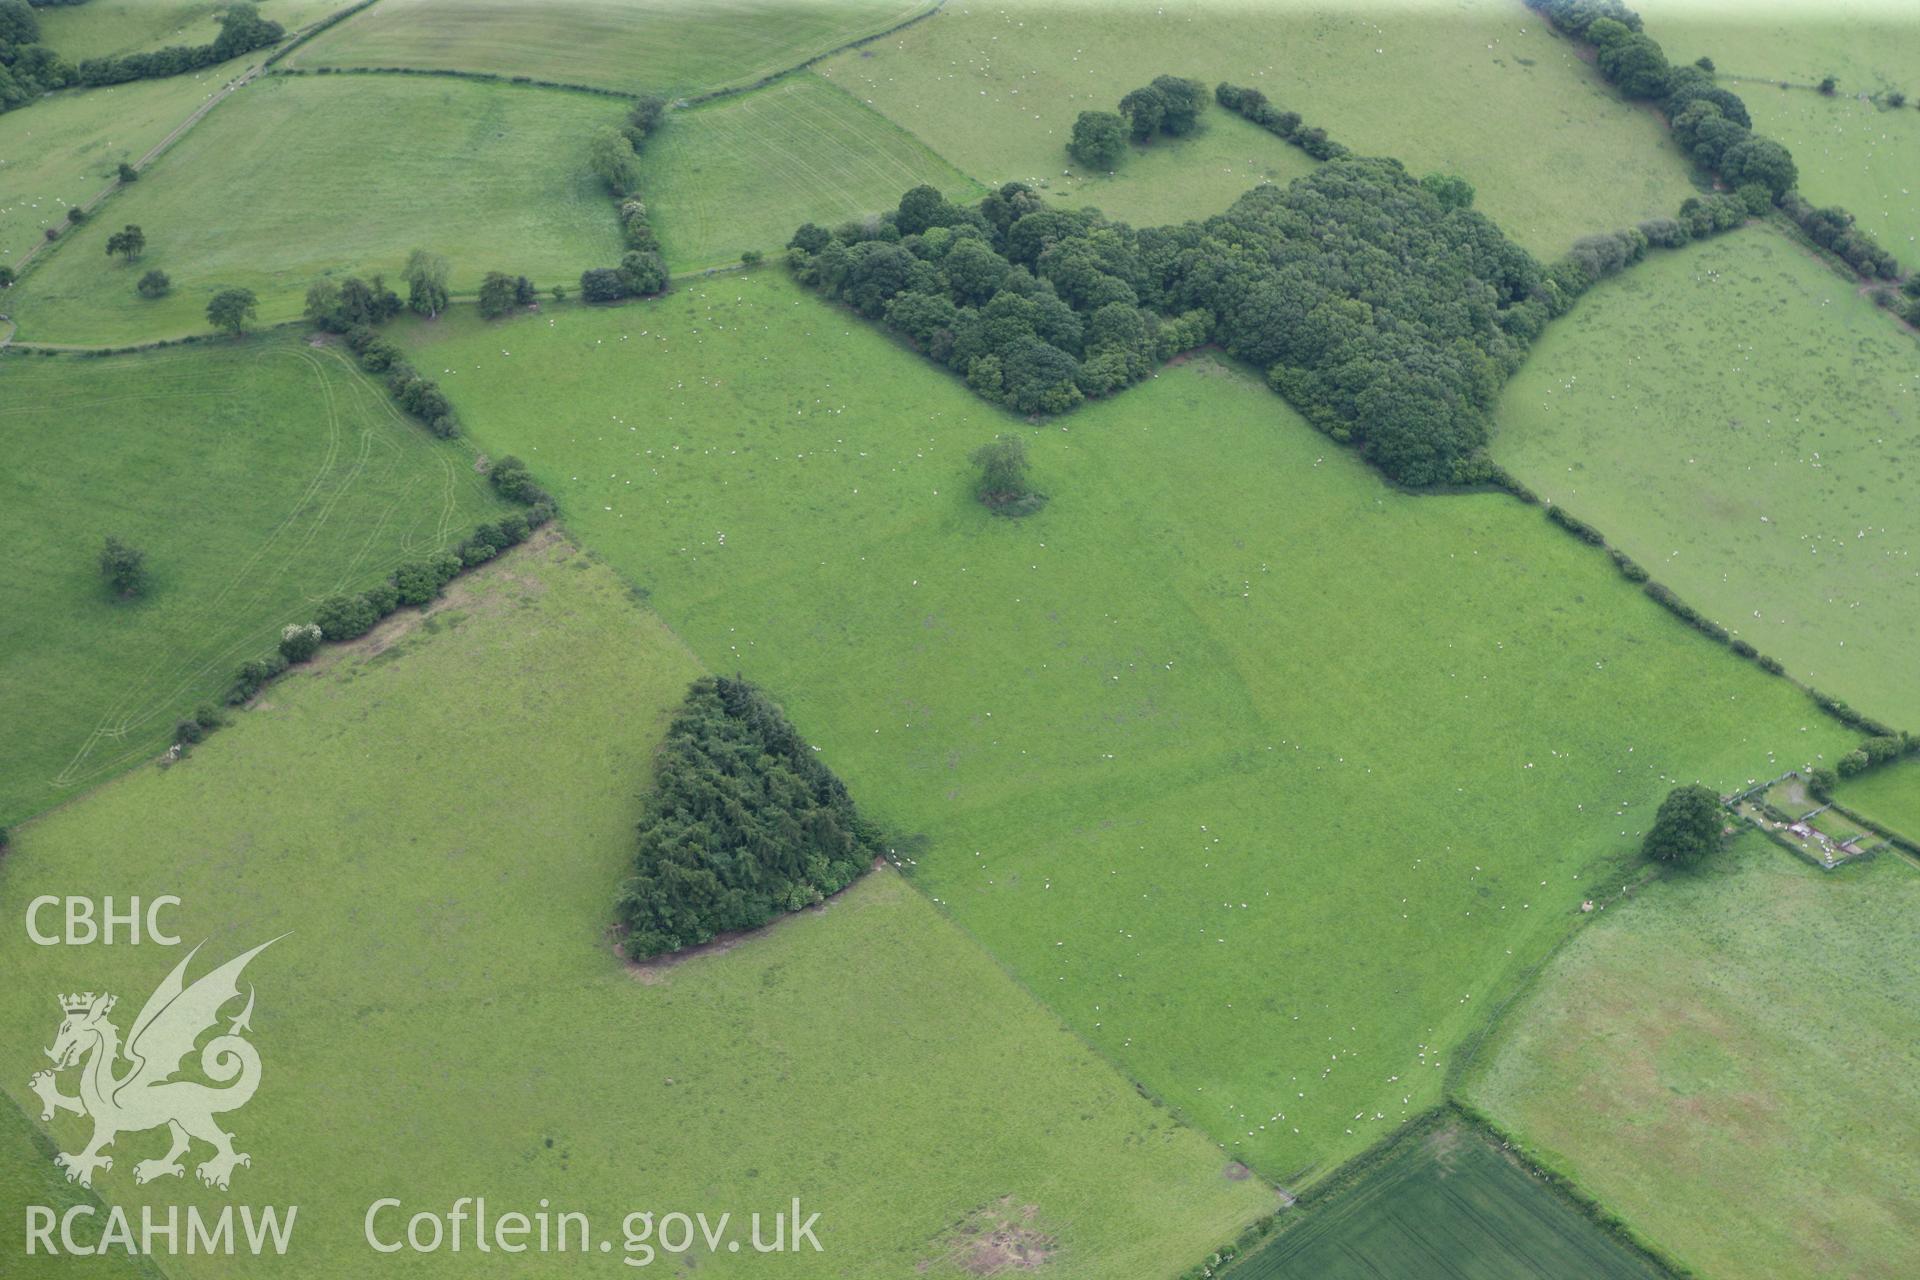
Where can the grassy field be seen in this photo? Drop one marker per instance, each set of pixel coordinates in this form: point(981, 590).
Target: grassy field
point(1890, 796)
point(743, 172)
point(1758, 457)
point(1723, 1061)
point(1161, 773)
point(28, 1176)
point(105, 28)
point(257, 478)
point(672, 47)
point(1850, 152)
point(441, 819)
point(68, 147)
point(300, 175)
point(1447, 1203)
point(1476, 88)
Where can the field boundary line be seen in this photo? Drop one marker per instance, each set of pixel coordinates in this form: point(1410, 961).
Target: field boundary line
point(576, 86)
point(88, 207)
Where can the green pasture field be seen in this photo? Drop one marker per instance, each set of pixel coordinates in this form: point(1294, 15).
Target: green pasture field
point(438, 821)
point(1741, 422)
point(65, 148)
point(1477, 88)
point(1850, 152)
point(671, 47)
point(1161, 769)
point(299, 176)
point(1889, 795)
point(1446, 1203)
point(258, 479)
point(1722, 1060)
point(107, 28)
point(28, 1176)
point(742, 172)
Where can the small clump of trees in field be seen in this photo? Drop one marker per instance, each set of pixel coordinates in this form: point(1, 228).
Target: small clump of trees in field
point(1004, 487)
point(743, 824)
point(1384, 309)
point(1171, 105)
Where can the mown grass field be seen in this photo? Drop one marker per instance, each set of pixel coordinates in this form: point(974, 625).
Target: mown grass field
point(1166, 769)
point(70, 145)
point(442, 824)
point(106, 28)
point(1759, 457)
point(742, 172)
point(671, 47)
point(1476, 88)
point(258, 478)
point(1446, 1203)
point(1850, 152)
point(1890, 796)
point(299, 176)
point(1724, 1061)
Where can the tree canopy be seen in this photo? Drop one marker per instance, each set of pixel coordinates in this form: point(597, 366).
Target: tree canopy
point(1387, 312)
point(1687, 827)
point(743, 824)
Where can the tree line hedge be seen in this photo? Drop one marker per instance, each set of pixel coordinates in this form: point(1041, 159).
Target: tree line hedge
point(242, 30)
point(743, 824)
point(1285, 125)
point(1388, 315)
point(1712, 125)
point(417, 582)
point(612, 154)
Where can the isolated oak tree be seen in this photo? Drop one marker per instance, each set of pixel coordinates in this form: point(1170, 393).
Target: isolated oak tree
point(1687, 827)
point(231, 310)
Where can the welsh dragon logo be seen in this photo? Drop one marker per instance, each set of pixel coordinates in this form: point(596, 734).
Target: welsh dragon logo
point(144, 1095)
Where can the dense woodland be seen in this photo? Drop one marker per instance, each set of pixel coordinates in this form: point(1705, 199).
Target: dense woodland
point(743, 824)
point(1385, 309)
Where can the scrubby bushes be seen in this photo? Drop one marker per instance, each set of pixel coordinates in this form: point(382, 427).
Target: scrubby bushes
point(155, 284)
point(1285, 125)
point(743, 824)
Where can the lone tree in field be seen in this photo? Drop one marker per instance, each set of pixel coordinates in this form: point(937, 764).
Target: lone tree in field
point(1099, 139)
point(155, 284)
point(129, 243)
point(1687, 827)
point(128, 173)
point(124, 568)
point(1003, 485)
point(231, 310)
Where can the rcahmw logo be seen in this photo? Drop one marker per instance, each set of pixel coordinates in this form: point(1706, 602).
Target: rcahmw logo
point(127, 1087)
